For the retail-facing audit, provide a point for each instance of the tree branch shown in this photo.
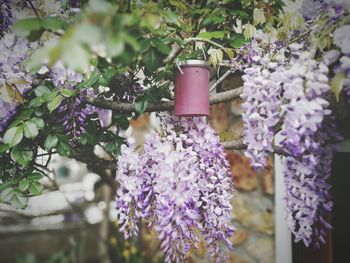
(179, 49)
(33, 8)
(239, 145)
(160, 106)
(201, 39)
(221, 79)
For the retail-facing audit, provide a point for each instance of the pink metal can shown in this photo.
(192, 88)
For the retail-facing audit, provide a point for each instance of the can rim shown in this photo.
(192, 62)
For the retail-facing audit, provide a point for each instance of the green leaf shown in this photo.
(38, 122)
(13, 136)
(52, 23)
(49, 97)
(21, 156)
(141, 104)
(161, 47)
(25, 114)
(170, 17)
(41, 90)
(6, 195)
(210, 35)
(237, 41)
(87, 33)
(23, 185)
(35, 188)
(23, 27)
(35, 177)
(38, 101)
(121, 121)
(30, 129)
(50, 142)
(67, 92)
(151, 60)
(75, 56)
(145, 45)
(19, 201)
(4, 148)
(114, 45)
(52, 105)
(5, 185)
(110, 147)
(131, 40)
(218, 34)
(337, 84)
(63, 148)
(93, 79)
(206, 35)
(35, 61)
(240, 13)
(15, 123)
(182, 5)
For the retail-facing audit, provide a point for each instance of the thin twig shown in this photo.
(105, 150)
(239, 145)
(34, 9)
(201, 39)
(221, 79)
(45, 154)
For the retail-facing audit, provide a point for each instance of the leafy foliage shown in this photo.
(124, 51)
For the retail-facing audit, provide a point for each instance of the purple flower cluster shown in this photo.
(334, 9)
(73, 112)
(247, 55)
(305, 140)
(181, 185)
(6, 16)
(64, 77)
(7, 111)
(257, 51)
(14, 81)
(261, 92)
(308, 200)
(339, 60)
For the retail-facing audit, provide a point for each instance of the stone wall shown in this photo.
(253, 202)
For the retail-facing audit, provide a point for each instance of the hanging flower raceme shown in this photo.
(73, 111)
(261, 92)
(307, 143)
(180, 183)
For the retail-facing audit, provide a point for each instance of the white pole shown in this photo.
(283, 238)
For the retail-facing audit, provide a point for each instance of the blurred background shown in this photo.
(77, 223)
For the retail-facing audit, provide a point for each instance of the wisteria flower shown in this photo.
(180, 184)
(341, 38)
(307, 141)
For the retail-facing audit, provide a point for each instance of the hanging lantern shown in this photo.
(192, 88)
